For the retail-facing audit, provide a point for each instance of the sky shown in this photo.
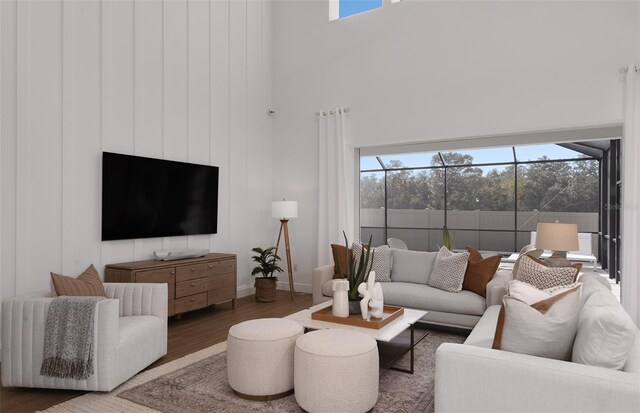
(349, 7)
(489, 155)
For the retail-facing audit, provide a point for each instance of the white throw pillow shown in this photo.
(381, 261)
(544, 329)
(529, 294)
(605, 332)
(538, 274)
(448, 271)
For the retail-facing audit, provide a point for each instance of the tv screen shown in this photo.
(145, 198)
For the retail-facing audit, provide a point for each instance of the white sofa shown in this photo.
(460, 310)
(473, 377)
(130, 334)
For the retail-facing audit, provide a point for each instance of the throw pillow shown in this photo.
(592, 282)
(448, 271)
(412, 266)
(538, 274)
(544, 329)
(605, 332)
(479, 271)
(381, 261)
(86, 284)
(529, 294)
(339, 253)
(529, 250)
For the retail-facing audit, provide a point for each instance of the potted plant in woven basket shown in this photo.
(356, 274)
(264, 271)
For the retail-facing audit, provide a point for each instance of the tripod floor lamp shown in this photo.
(285, 210)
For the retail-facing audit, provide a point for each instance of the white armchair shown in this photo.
(130, 334)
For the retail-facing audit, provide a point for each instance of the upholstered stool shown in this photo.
(336, 370)
(260, 358)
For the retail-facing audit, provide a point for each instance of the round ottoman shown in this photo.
(336, 370)
(260, 358)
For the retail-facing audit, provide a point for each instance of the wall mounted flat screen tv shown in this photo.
(145, 198)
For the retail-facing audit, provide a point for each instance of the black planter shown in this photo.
(354, 307)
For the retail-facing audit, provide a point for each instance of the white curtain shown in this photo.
(630, 269)
(336, 183)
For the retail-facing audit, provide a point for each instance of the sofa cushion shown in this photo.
(606, 332)
(592, 282)
(544, 329)
(448, 271)
(412, 266)
(428, 298)
(140, 342)
(633, 362)
(538, 274)
(480, 271)
(483, 333)
(381, 261)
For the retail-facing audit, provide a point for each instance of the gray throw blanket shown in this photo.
(68, 338)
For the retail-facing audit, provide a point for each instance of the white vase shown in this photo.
(340, 298)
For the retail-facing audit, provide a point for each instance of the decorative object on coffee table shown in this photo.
(389, 313)
(371, 293)
(377, 302)
(285, 210)
(260, 357)
(340, 307)
(357, 274)
(267, 266)
(559, 238)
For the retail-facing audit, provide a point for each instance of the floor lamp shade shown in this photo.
(557, 237)
(284, 209)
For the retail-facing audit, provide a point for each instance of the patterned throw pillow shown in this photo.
(86, 284)
(448, 271)
(529, 250)
(381, 261)
(538, 274)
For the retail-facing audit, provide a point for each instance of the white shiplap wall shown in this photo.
(185, 80)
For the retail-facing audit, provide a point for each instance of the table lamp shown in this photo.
(285, 210)
(559, 238)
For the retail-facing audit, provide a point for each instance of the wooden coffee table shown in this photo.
(390, 337)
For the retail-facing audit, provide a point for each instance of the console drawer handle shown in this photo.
(193, 299)
(210, 266)
(173, 272)
(193, 284)
(193, 269)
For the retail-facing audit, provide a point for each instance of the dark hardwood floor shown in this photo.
(195, 331)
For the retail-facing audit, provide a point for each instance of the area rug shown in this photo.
(202, 387)
(399, 392)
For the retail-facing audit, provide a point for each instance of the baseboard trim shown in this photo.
(281, 285)
(299, 288)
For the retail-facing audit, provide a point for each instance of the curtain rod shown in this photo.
(331, 112)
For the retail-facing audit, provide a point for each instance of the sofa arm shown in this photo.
(497, 287)
(470, 378)
(320, 276)
(23, 324)
(140, 298)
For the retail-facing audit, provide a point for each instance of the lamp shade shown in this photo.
(557, 237)
(284, 209)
